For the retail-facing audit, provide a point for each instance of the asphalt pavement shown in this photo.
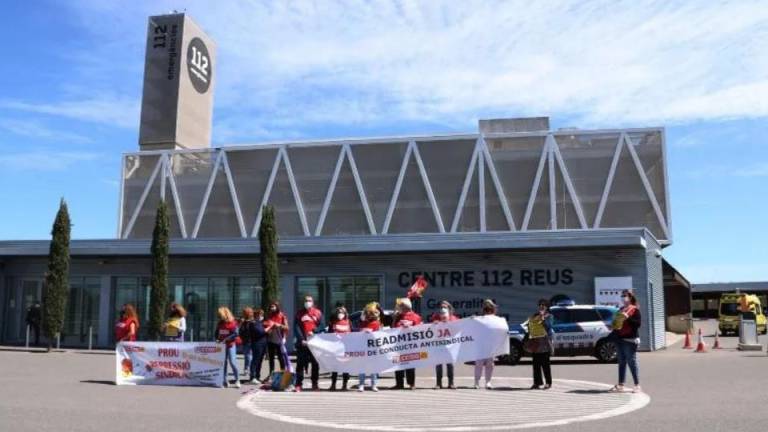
(719, 390)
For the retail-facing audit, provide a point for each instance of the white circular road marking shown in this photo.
(510, 405)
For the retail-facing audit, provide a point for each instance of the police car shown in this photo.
(579, 330)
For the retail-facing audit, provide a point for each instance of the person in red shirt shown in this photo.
(370, 322)
(309, 320)
(276, 326)
(444, 314)
(228, 334)
(339, 323)
(127, 327)
(626, 324)
(406, 317)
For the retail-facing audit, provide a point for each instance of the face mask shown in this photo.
(260, 318)
(273, 309)
(444, 311)
(307, 304)
(340, 316)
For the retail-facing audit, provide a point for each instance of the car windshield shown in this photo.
(729, 309)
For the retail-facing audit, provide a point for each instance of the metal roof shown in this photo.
(490, 241)
(745, 287)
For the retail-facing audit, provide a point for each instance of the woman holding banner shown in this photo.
(444, 314)
(539, 344)
(405, 318)
(626, 323)
(127, 328)
(227, 333)
(489, 308)
(276, 326)
(370, 322)
(339, 323)
(176, 324)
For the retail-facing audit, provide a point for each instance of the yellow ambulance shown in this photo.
(731, 304)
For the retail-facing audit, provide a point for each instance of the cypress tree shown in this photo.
(270, 277)
(158, 296)
(57, 276)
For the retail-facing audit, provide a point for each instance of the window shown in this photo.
(585, 315)
(561, 316)
(353, 292)
(606, 314)
(82, 313)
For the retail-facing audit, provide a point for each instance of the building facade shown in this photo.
(513, 215)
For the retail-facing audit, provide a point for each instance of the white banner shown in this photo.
(424, 345)
(170, 363)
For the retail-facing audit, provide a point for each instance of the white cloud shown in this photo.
(37, 129)
(287, 64)
(111, 110)
(40, 160)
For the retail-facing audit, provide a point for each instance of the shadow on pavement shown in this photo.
(98, 382)
(591, 391)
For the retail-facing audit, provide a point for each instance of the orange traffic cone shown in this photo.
(687, 344)
(700, 347)
(717, 341)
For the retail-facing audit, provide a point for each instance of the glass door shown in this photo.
(31, 294)
(197, 303)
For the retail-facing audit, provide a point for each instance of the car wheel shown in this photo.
(515, 353)
(606, 351)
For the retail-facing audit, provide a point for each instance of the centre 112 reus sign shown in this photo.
(489, 277)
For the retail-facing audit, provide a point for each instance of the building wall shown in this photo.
(515, 279)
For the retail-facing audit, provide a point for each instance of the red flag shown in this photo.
(417, 289)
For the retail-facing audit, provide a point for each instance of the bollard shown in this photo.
(58, 341)
(90, 338)
(26, 344)
(191, 335)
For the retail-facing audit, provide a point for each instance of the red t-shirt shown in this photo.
(309, 320)
(370, 325)
(226, 330)
(123, 328)
(342, 326)
(436, 317)
(408, 319)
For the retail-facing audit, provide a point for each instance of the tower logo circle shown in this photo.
(199, 65)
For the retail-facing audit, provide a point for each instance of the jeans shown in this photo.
(374, 379)
(273, 350)
(304, 359)
(231, 358)
(248, 357)
(541, 364)
(408, 375)
(627, 352)
(479, 365)
(439, 374)
(258, 350)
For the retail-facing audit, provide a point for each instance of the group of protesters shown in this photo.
(264, 334)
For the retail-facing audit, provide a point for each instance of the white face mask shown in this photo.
(260, 318)
(307, 304)
(273, 309)
(340, 316)
(444, 311)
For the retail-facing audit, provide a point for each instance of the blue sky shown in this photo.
(70, 88)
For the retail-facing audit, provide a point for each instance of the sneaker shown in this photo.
(413, 387)
(226, 384)
(535, 387)
(375, 389)
(237, 383)
(297, 389)
(361, 388)
(488, 385)
(547, 387)
(255, 381)
(637, 389)
(477, 385)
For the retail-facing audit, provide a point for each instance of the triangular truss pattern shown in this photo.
(282, 156)
(481, 160)
(624, 142)
(345, 153)
(413, 150)
(481, 164)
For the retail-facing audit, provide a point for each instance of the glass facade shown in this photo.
(353, 292)
(82, 313)
(200, 296)
(559, 180)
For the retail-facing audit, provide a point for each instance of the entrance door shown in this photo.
(31, 293)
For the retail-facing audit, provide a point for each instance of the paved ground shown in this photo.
(719, 390)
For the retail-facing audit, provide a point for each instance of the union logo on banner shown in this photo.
(207, 349)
